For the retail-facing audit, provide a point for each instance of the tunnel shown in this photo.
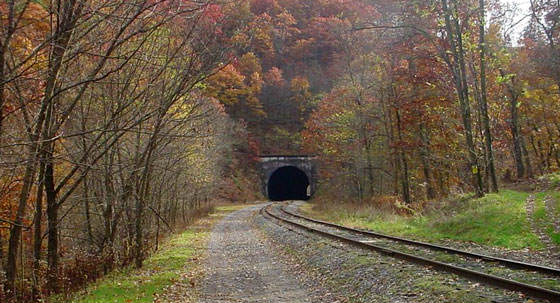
(288, 183)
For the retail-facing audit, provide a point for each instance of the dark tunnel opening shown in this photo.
(288, 183)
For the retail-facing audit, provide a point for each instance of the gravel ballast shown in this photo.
(364, 276)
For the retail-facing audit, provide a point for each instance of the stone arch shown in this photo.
(270, 164)
(288, 183)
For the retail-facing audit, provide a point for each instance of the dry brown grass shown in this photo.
(387, 204)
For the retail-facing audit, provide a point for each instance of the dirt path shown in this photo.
(550, 205)
(242, 267)
(530, 206)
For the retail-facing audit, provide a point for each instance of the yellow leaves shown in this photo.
(37, 14)
(182, 110)
(241, 39)
(261, 33)
(8, 199)
(226, 85)
(231, 86)
(32, 30)
(299, 84)
(286, 19)
(300, 90)
(249, 64)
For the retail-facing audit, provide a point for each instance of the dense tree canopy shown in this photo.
(120, 120)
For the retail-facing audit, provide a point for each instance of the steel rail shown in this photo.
(506, 262)
(527, 289)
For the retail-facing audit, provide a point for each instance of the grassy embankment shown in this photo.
(179, 258)
(496, 220)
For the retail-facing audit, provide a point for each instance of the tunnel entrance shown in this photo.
(288, 183)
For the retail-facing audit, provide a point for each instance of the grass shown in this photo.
(141, 285)
(179, 254)
(160, 270)
(543, 219)
(495, 220)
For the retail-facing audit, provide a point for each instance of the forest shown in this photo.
(121, 121)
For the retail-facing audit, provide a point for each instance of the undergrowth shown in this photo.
(176, 256)
(553, 179)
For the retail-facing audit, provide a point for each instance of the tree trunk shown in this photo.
(37, 234)
(15, 231)
(1, 256)
(459, 71)
(87, 212)
(425, 148)
(424, 156)
(2, 93)
(484, 101)
(390, 131)
(108, 214)
(517, 150)
(369, 162)
(61, 37)
(405, 183)
(52, 223)
(514, 127)
(538, 155)
(139, 233)
(544, 163)
(527, 158)
(478, 97)
(553, 153)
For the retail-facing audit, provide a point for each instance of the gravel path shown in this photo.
(242, 266)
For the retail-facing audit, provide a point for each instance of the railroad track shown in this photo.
(463, 263)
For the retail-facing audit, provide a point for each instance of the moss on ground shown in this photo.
(498, 219)
(179, 254)
(447, 291)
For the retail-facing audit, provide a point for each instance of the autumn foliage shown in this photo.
(109, 137)
(120, 121)
(415, 99)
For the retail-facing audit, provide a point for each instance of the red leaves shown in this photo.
(9, 200)
(213, 13)
(274, 77)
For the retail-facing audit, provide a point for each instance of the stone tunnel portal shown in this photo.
(288, 177)
(288, 183)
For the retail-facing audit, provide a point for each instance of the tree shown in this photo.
(483, 99)
(107, 64)
(457, 64)
(545, 27)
